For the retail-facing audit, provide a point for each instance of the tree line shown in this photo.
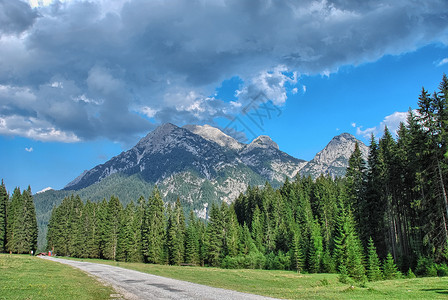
(18, 224)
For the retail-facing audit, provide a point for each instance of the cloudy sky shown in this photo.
(81, 81)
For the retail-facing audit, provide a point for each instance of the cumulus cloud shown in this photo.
(442, 62)
(392, 122)
(78, 70)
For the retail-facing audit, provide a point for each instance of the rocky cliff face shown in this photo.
(333, 159)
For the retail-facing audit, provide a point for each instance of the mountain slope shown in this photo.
(333, 159)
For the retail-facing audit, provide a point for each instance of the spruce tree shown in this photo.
(390, 270)
(316, 249)
(3, 216)
(373, 263)
(153, 229)
(192, 241)
(112, 228)
(348, 252)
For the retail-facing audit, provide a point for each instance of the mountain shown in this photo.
(333, 159)
(199, 164)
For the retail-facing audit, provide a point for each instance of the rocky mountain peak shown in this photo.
(333, 159)
(215, 135)
(263, 141)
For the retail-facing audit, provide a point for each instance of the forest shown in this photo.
(387, 218)
(18, 224)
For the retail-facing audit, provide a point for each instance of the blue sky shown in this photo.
(82, 81)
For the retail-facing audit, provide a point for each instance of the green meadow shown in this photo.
(291, 285)
(27, 277)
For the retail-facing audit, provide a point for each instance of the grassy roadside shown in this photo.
(26, 277)
(290, 285)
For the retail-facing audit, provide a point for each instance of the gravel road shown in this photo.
(137, 285)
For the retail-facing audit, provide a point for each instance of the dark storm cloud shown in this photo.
(94, 69)
(15, 16)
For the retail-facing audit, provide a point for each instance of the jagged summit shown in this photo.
(333, 159)
(264, 141)
(215, 135)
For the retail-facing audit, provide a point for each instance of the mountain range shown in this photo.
(198, 164)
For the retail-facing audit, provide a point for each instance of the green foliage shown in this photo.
(153, 229)
(410, 274)
(21, 223)
(390, 270)
(3, 216)
(373, 263)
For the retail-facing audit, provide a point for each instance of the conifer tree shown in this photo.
(356, 182)
(373, 263)
(3, 216)
(298, 258)
(175, 234)
(257, 229)
(348, 249)
(215, 236)
(112, 228)
(14, 221)
(390, 270)
(316, 249)
(153, 229)
(192, 247)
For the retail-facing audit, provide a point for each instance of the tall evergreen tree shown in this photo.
(348, 249)
(153, 229)
(3, 216)
(192, 247)
(112, 228)
(373, 263)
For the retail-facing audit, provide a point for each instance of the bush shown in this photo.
(442, 270)
(425, 267)
(410, 274)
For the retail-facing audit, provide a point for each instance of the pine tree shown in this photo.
(390, 270)
(112, 228)
(315, 250)
(373, 263)
(192, 241)
(356, 182)
(215, 236)
(348, 249)
(153, 229)
(3, 216)
(14, 220)
(175, 234)
(298, 258)
(257, 229)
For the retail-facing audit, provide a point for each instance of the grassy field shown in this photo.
(26, 277)
(290, 285)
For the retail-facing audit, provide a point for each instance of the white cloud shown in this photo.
(30, 149)
(34, 129)
(148, 111)
(391, 121)
(442, 62)
(353, 124)
(272, 84)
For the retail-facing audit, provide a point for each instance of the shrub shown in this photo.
(410, 274)
(425, 267)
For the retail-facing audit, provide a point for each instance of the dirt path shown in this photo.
(137, 285)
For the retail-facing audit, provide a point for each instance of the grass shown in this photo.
(290, 285)
(27, 277)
